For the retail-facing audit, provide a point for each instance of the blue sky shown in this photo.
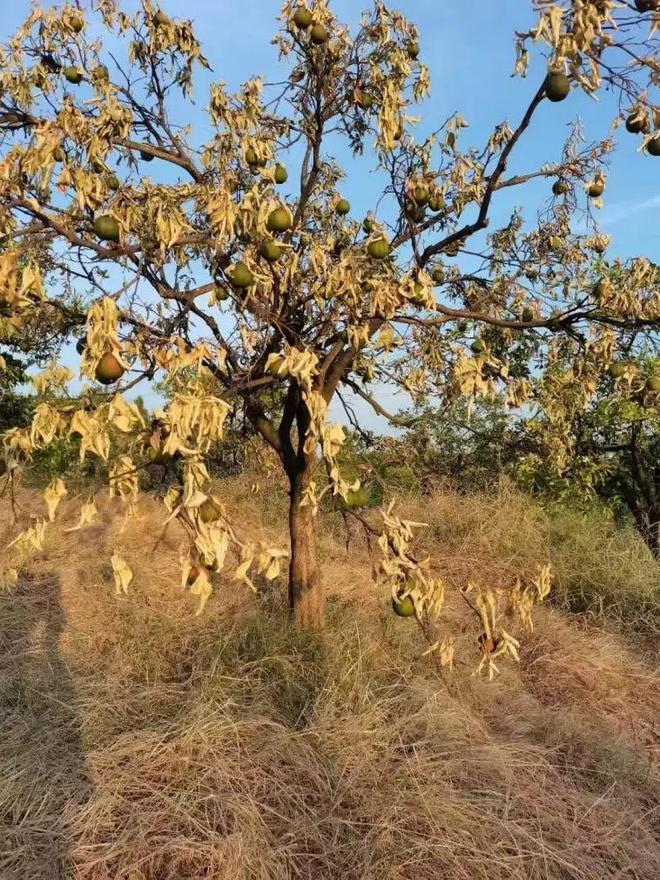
(468, 45)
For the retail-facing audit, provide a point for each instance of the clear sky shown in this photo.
(468, 45)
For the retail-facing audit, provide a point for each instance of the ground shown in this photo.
(140, 742)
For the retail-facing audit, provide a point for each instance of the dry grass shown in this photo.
(142, 743)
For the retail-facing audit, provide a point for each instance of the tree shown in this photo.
(242, 291)
(608, 446)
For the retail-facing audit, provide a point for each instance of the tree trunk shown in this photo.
(306, 595)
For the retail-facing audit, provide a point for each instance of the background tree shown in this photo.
(241, 289)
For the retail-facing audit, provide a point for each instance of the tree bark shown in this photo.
(306, 595)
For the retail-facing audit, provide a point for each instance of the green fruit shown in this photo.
(653, 146)
(240, 276)
(555, 243)
(319, 34)
(421, 195)
(528, 314)
(281, 174)
(413, 49)
(271, 251)
(416, 213)
(478, 346)
(251, 157)
(616, 370)
(100, 72)
(209, 512)
(560, 187)
(436, 203)
(302, 18)
(108, 370)
(438, 275)
(596, 188)
(220, 294)
(58, 154)
(112, 182)
(364, 100)
(653, 384)
(343, 206)
(378, 249)
(106, 228)
(637, 123)
(557, 86)
(160, 19)
(146, 157)
(81, 344)
(403, 607)
(357, 498)
(73, 75)
(368, 225)
(279, 220)
(77, 23)
(98, 167)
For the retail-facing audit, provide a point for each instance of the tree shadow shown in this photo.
(43, 774)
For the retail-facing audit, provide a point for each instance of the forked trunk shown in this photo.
(306, 596)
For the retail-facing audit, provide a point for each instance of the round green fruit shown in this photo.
(368, 225)
(528, 315)
(240, 276)
(209, 512)
(112, 182)
(378, 249)
(146, 157)
(421, 195)
(555, 243)
(108, 370)
(58, 154)
(653, 384)
(413, 49)
(302, 18)
(270, 251)
(319, 35)
(653, 146)
(637, 123)
(279, 220)
(403, 607)
(77, 23)
(342, 207)
(357, 498)
(438, 275)
(281, 174)
(436, 203)
(616, 370)
(106, 228)
(101, 73)
(251, 157)
(557, 86)
(560, 187)
(596, 188)
(365, 100)
(478, 346)
(73, 75)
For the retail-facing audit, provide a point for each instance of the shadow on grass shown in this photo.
(43, 774)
